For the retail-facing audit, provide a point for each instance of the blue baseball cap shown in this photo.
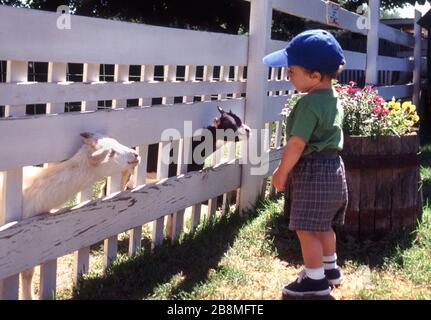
(314, 50)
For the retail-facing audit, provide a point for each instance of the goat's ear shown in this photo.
(220, 109)
(216, 122)
(99, 155)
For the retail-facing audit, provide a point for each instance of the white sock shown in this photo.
(330, 262)
(315, 273)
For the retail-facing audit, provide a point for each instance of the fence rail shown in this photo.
(200, 70)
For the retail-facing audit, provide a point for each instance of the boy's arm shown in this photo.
(291, 154)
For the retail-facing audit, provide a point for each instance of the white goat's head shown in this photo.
(108, 155)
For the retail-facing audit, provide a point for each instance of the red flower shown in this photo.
(351, 90)
(380, 111)
(368, 88)
(378, 101)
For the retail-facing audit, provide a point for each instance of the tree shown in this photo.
(229, 16)
(352, 5)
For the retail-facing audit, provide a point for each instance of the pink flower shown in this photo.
(380, 111)
(378, 101)
(368, 88)
(352, 83)
(352, 90)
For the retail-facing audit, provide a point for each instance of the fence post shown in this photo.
(417, 62)
(371, 71)
(256, 93)
(16, 71)
(11, 210)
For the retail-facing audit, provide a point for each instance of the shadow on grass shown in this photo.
(190, 259)
(371, 252)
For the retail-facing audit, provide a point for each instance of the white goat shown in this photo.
(48, 188)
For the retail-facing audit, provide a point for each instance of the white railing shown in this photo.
(30, 140)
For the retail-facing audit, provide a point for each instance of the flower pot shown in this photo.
(384, 184)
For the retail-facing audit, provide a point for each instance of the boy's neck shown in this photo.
(324, 84)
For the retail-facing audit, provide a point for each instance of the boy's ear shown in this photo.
(316, 75)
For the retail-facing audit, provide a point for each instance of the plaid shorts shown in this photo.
(316, 193)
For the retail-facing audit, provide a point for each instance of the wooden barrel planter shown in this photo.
(384, 184)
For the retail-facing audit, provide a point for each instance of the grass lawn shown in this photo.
(233, 257)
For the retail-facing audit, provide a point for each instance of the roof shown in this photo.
(398, 21)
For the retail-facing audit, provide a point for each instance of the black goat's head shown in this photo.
(229, 120)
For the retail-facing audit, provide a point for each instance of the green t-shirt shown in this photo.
(318, 119)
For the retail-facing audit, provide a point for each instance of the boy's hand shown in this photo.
(279, 179)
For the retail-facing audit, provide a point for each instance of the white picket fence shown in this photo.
(31, 35)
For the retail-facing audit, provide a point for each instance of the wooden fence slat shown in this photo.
(393, 35)
(135, 234)
(207, 76)
(16, 71)
(110, 245)
(81, 263)
(373, 44)
(184, 157)
(162, 173)
(257, 88)
(238, 77)
(48, 270)
(91, 40)
(189, 75)
(227, 196)
(417, 59)
(170, 73)
(56, 73)
(212, 203)
(144, 126)
(171, 219)
(44, 92)
(48, 280)
(147, 75)
(316, 11)
(91, 74)
(266, 146)
(81, 259)
(11, 198)
(121, 74)
(224, 76)
(397, 91)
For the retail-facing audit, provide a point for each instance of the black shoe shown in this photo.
(334, 277)
(304, 286)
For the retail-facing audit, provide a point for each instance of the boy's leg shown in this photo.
(311, 247)
(312, 281)
(328, 240)
(332, 271)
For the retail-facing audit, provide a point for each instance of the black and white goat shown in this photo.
(227, 127)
